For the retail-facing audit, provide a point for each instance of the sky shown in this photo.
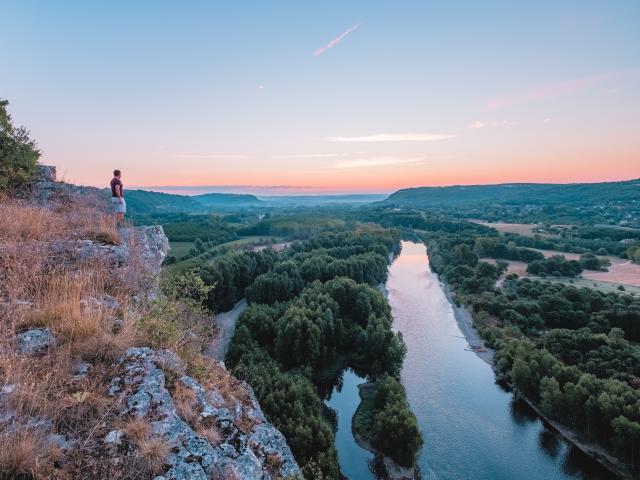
(326, 97)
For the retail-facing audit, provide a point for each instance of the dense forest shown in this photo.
(315, 309)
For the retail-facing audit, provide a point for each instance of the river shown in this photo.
(472, 428)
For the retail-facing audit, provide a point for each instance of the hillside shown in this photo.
(519, 194)
(144, 202)
(226, 200)
(313, 200)
(102, 370)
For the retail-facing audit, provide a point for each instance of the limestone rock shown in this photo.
(45, 173)
(34, 341)
(80, 370)
(245, 454)
(114, 437)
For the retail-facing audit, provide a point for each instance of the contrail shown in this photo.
(335, 41)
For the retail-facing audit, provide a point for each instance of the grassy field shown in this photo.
(524, 229)
(180, 249)
(621, 271)
(218, 250)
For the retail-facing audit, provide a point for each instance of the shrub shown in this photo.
(18, 153)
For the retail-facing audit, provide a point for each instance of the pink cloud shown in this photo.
(559, 89)
(335, 41)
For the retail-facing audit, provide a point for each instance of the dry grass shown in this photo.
(41, 287)
(137, 429)
(151, 451)
(80, 218)
(25, 454)
(185, 401)
(187, 407)
(212, 433)
(43, 284)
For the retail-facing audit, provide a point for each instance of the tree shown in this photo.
(18, 153)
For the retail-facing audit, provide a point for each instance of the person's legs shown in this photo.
(119, 209)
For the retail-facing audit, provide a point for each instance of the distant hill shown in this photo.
(226, 199)
(309, 200)
(144, 202)
(539, 194)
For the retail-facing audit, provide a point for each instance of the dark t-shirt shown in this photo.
(115, 182)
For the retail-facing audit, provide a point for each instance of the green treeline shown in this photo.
(207, 228)
(18, 153)
(313, 308)
(556, 265)
(295, 227)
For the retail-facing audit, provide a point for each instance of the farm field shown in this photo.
(525, 229)
(621, 272)
(180, 249)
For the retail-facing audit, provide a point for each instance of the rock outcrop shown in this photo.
(139, 254)
(253, 450)
(46, 190)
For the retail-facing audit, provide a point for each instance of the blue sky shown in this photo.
(409, 93)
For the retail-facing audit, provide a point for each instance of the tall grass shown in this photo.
(43, 285)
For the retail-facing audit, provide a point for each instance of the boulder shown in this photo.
(35, 341)
(45, 173)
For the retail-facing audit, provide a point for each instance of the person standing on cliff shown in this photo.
(117, 196)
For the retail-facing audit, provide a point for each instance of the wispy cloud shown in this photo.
(222, 156)
(500, 123)
(310, 155)
(377, 161)
(335, 41)
(558, 89)
(214, 156)
(395, 137)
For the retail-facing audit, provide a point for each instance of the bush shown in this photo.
(18, 153)
(385, 419)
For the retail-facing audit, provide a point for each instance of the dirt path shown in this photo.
(226, 324)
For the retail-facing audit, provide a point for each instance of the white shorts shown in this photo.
(117, 206)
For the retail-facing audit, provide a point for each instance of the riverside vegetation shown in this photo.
(573, 352)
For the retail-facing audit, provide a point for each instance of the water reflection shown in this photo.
(550, 443)
(342, 398)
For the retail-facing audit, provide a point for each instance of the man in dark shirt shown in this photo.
(117, 196)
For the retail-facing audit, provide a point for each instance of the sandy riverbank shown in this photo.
(465, 322)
